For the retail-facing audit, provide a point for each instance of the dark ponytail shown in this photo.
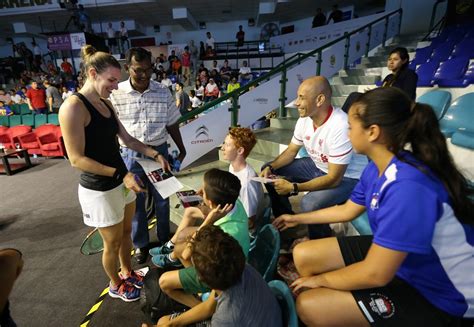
(407, 124)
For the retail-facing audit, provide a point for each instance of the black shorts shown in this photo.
(397, 303)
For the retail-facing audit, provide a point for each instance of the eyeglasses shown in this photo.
(141, 71)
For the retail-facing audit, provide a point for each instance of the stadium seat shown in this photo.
(4, 121)
(29, 141)
(465, 48)
(459, 116)
(422, 55)
(28, 120)
(53, 119)
(426, 73)
(361, 224)
(24, 109)
(3, 129)
(443, 52)
(14, 120)
(463, 139)
(49, 140)
(286, 302)
(264, 256)
(16, 108)
(451, 72)
(40, 119)
(469, 76)
(438, 100)
(11, 136)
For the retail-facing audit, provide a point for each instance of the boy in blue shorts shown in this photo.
(220, 193)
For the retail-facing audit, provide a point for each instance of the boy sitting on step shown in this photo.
(221, 208)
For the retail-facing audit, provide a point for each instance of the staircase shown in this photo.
(273, 140)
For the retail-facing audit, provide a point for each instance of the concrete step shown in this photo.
(343, 90)
(355, 80)
(338, 101)
(271, 141)
(284, 123)
(372, 65)
(360, 72)
(373, 59)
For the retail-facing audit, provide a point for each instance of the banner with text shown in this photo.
(204, 134)
(72, 41)
(358, 44)
(333, 59)
(259, 101)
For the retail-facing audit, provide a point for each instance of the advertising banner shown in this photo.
(376, 36)
(358, 43)
(59, 42)
(78, 40)
(297, 75)
(333, 59)
(259, 101)
(204, 134)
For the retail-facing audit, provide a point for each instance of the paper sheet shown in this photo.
(164, 182)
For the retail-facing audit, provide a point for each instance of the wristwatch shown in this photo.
(295, 189)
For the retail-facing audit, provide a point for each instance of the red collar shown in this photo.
(325, 119)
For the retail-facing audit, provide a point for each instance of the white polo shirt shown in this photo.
(329, 143)
(145, 115)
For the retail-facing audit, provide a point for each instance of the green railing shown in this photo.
(289, 63)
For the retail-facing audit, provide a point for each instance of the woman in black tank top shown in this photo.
(91, 129)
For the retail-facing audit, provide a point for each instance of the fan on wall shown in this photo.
(269, 30)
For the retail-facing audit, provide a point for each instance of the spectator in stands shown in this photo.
(240, 296)
(176, 67)
(51, 68)
(211, 91)
(215, 66)
(195, 101)
(5, 97)
(401, 77)
(141, 98)
(123, 37)
(16, 97)
(319, 19)
(38, 56)
(182, 99)
(330, 172)
(5, 109)
(36, 97)
(66, 67)
(194, 56)
(233, 85)
(202, 50)
(166, 81)
(66, 93)
(416, 268)
(210, 42)
(53, 97)
(186, 63)
(336, 15)
(245, 74)
(11, 265)
(216, 77)
(226, 71)
(201, 68)
(107, 189)
(203, 77)
(240, 36)
(199, 89)
(221, 208)
(210, 52)
(111, 39)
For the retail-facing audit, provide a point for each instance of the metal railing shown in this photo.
(289, 63)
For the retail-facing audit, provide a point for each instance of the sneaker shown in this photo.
(163, 261)
(160, 250)
(140, 255)
(134, 279)
(126, 292)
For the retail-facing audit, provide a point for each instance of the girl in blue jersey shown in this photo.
(418, 267)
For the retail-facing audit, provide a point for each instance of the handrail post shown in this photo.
(235, 110)
(346, 50)
(319, 62)
(367, 48)
(385, 32)
(282, 99)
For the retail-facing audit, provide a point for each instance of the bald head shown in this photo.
(318, 85)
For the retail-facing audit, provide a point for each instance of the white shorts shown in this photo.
(104, 209)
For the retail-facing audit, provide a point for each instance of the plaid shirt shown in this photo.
(145, 115)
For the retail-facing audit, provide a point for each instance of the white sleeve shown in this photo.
(340, 147)
(298, 133)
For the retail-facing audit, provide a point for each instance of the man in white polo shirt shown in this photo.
(148, 112)
(331, 170)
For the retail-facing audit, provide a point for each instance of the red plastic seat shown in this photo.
(12, 134)
(50, 141)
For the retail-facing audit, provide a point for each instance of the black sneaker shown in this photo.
(141, 254)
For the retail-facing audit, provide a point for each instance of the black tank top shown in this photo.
(101, 144)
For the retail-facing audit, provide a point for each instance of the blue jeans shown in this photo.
(303, 170)
(140, 236)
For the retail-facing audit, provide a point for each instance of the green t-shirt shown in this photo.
(236, 225)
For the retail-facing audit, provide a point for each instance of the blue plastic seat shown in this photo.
(361, 224)
(422, 55)
(465, 48)
(443, 52)
(426, 73)
(438, 100)
(264, 256)
(463, 139)
(451, 72)
(469, 75)
(286, 302)
(459, 116)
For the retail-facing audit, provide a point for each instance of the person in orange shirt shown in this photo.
(66, 66)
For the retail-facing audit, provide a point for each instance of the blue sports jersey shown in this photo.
(410, 211)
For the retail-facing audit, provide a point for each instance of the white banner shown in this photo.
(333, 59)
(78, 40)
(376, 35)
(178, 48)
(297, 75)
(358, 44)
(393, 24)
(204, 134)
(259, 101)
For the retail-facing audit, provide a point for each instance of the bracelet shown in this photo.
(120, 173)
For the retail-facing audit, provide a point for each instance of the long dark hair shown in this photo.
(406, 123)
